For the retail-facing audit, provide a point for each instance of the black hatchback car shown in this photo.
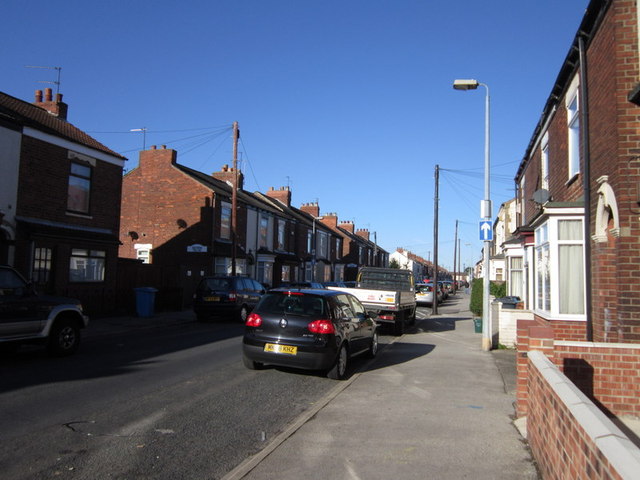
(308, 329)
(226, 296)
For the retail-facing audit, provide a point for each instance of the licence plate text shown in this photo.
(286, 349)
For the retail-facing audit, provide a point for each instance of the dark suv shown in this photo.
(27, 317)
(226, 296)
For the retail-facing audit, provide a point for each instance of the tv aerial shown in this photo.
(56, 83)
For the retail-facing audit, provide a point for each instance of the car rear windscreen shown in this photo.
(285, 304)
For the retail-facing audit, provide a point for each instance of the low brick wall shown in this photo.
(568, 435)
(607, 373)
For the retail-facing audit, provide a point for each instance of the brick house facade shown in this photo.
(584, 281)
(179, 220)
(578, 209)
(61, 212)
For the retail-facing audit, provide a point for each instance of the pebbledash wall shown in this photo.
(568, 390)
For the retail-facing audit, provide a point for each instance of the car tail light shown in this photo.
(253, 320)
(321, 326)
(232, 296)
(387, 317)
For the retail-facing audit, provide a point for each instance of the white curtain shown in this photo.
(571, 267)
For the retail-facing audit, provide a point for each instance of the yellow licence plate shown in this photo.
(211, 299)
(287, 349)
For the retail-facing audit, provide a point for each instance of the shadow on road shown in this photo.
(109, 355)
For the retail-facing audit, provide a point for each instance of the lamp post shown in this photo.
(487, 340)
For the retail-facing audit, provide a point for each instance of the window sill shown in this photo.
(79, 215)
(572, 179)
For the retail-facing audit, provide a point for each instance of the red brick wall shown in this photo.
(615, 145)
(612, 373)
(560, 445)
(154, 197)
(608, 374)
(44, 180)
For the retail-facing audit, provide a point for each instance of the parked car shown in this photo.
(226, 296)
(308, 329)
(301, 285)
(28, 317)
(424, 294)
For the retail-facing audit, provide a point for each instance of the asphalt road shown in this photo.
(173, 402)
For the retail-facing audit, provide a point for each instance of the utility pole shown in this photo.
(234, 200)
(455, 251)
(434, 303)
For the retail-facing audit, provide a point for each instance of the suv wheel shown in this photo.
(64, 337)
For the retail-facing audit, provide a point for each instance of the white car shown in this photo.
(424, 294)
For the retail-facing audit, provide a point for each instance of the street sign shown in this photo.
(486, 230)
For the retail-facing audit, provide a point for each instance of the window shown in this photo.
(86, 265)
(286, 273)
(560, 267)
(263, 233)
(225, 221)
(573, 123)
(223, 266)
(265, 272)
(281, 235)
(79, 191)
(309, 241)
(143, 252)
(544, 163)
(41, 265)
(338, 248)
(323, 246)
(571, 266)
(516, 276)
(543, 299)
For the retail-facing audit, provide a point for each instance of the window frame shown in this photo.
(548, 289)
(72, 204)
(225, 221)
(92, 264)
(572, 105)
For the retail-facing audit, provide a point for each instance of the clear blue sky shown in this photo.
(348, 102)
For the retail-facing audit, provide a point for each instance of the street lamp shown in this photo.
(487, 340)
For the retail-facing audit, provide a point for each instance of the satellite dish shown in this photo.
(541, 196)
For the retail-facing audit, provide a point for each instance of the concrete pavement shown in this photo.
(431, 405)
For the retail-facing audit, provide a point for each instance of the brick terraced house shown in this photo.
(178, 221)
(577, 250)
(60, 201)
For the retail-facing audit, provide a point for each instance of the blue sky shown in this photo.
(348, 102)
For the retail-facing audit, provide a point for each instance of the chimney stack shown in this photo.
(363, 233)
(155, 158)
(311, 208)
(330, 220)
(228, 174)
(348, 226)
(283, 195)
(56, 108)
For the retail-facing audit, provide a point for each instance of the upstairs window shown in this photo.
(281, 235)
(573, 124)
(79, 191)
(225, 221)
(263, 233)
(544, 164)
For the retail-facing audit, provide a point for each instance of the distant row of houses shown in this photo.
(73, 224)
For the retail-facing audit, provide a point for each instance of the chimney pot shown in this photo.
(38, 96)
(48, 95)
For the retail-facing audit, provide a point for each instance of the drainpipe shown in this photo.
(584, 133)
